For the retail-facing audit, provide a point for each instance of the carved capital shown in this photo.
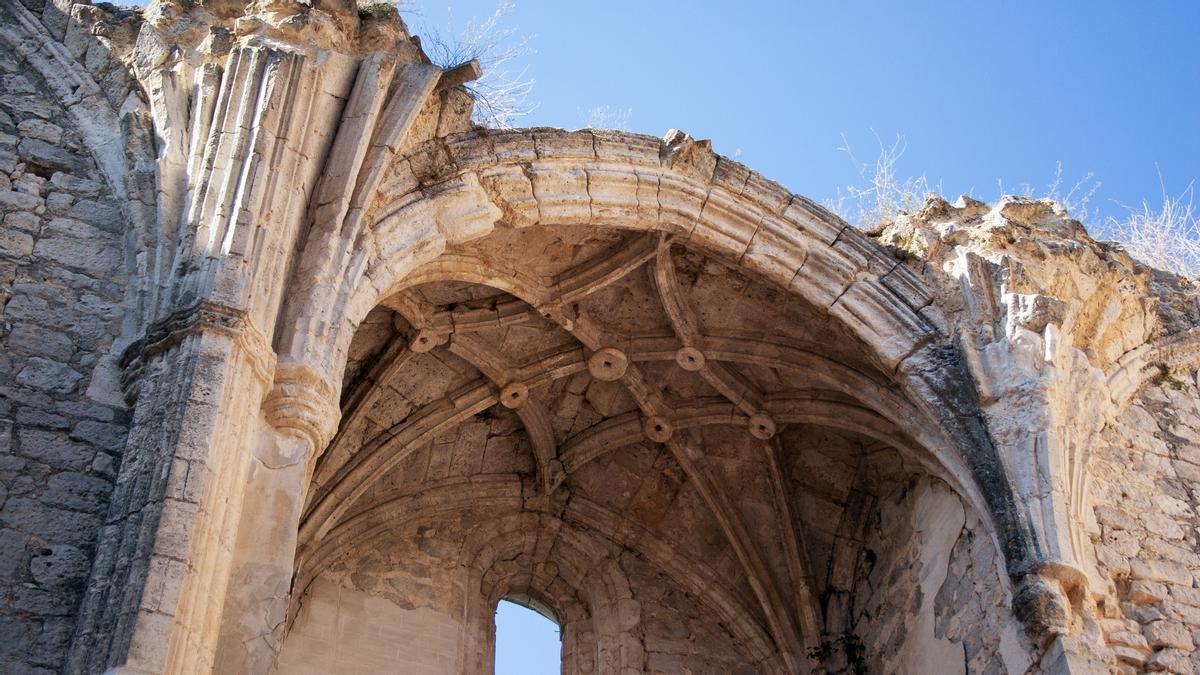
(303, 403)
(1049, 600)
(198, 319)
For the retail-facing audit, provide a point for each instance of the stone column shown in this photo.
(299, 418)
(165, 550)
(202, 452)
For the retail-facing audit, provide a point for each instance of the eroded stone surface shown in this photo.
(64, 427)
(301, 372)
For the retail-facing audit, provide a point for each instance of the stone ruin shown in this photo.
(302, 372)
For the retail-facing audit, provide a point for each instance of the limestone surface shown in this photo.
(302, 372)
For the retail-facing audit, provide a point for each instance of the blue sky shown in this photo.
(981, 91)
(527, 643)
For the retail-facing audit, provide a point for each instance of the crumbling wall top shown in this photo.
(1107, 302)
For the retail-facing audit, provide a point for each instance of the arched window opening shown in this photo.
(528, 640)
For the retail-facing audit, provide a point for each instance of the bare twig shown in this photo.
(501, 95)
(608, 117)
(1075, 200)
(882, 195)
(1165, 236)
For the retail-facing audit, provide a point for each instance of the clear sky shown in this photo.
(527, 643)
(981, 91)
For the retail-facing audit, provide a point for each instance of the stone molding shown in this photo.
(200, 319)
(1150, 361)
(303, 403)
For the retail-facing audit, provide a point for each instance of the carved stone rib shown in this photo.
(532, 412)
(683, 321)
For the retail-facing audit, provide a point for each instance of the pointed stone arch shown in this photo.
(434, 199)
(453, 190)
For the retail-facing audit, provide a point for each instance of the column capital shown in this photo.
(303, 403)
(1048, 597)
(204, 317)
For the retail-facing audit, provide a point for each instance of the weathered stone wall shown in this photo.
(63, 422)
(929, 595)
(677, 631)
(401, 610)
(341, 628)
(914, 583)
(437, 578)
(1085, 362)
(387, 367)
(1146, 493)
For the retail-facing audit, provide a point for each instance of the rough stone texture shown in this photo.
(63, 422)
(929, 595)
(1087, 360)
(1145, 488)
(301, 372)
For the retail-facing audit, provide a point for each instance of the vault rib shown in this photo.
(352, 479)
(492, 365)
(683, 322)
(531, 410)
(808, 609)
(774, 608)
(649, 400)
(607, 269)
(556, 303)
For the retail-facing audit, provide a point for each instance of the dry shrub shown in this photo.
(608, 117)
(882, 195)
(1165, 235)
(501, 95)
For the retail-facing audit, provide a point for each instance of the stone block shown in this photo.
(99, 215)
(42, 130)
(1129, 639)
(49, 376)
(1169, 634)
(41, 602)
(78, 245)
(1147, 592)
(777, 251)
(100, 434)
(15, 243)
(36, 417)
(44, 156)
(14, 553)
(1170, 661)
(23, 221)
(12, 200)
(54, 449)
(60, 566)
(42, 341)
(77, 491)
(48, 524)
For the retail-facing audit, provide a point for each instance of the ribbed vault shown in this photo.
(563, 406)
(384, 367)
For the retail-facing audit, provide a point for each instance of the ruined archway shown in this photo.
(527, 305)
(343, 278)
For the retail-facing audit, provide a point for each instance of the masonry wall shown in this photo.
(341, 629)
(1146, 498)
(405, 624)
(930, 595)
(678, 631)
(914, 583)
(62, 421)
